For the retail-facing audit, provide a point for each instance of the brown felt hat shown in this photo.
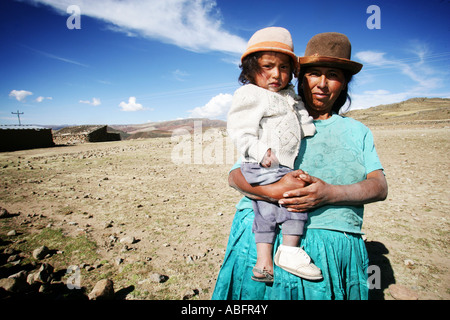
(330, 49)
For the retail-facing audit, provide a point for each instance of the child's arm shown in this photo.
(243, 121)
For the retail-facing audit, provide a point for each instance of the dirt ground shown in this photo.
(180, 214)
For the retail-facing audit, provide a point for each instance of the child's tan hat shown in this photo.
(271, 39)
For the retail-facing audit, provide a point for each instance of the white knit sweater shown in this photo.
(260, 119)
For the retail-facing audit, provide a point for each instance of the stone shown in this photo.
(189, 294)
(8, 284)
(30, 279)
(4, 213)
(13, 257)
(409, 263)
(40, 253)
(103, 290)
(21, 274)
(399, 292)
(158, 278)
(189, 260)
(44, 273)
(14, 283)
(128, 240)
(8, 251)
(108, 224)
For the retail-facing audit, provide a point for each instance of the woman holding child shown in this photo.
(340, 172)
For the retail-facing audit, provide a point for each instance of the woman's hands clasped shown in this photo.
(314, 192)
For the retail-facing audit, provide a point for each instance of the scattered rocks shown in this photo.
(128, 240)
(41, 252)
(189, 259)
(103, 290)
(189, 294)
(4, 213)
(44, 273)
(13, 258)
(108, 224)
(12, 284)
(158, 278)
(399, 292)
(409, 263)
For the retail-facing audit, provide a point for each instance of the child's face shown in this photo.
(275, 71)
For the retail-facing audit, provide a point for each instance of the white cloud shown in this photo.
(371, 57)
(41, 98)
(192, 25)
(424, 80)
(377, 92)
(131, 105)
(179, 75)
(20, 95)
(217, 107)
(94, 102)
(52, 56)
(414, 68)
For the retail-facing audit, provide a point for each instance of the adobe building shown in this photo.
(84, 134)
(21, 137)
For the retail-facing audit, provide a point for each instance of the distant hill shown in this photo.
(412, 111)
(166, 128)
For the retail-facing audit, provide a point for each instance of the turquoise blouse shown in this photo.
(341, 152)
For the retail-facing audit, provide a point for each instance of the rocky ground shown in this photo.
(130, 215)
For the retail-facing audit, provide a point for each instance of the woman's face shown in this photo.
(321, 87)
(275, 71)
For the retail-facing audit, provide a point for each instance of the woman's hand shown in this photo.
(300, 192)
(318, 193)
(271, 192)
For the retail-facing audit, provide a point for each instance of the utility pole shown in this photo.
(18, 115)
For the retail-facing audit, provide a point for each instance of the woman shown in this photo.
(344, 174)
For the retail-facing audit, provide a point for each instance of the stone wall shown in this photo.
(84, 134)
(24, 137)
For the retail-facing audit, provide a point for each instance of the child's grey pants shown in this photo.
(269, 215)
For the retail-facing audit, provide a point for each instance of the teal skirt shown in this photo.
(342, 257)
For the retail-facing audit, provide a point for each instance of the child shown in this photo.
(267, 121)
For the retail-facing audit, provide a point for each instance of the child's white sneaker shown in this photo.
(296, 261)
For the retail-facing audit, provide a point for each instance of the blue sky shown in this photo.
(154, 60)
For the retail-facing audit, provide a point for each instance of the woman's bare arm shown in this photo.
(318, 193)
(272, 192)
(313, 192)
